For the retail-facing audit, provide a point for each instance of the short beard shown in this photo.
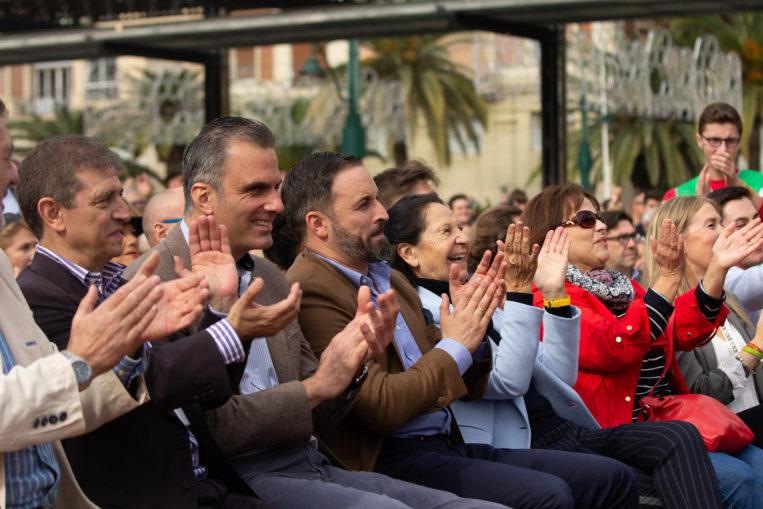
(358, 248)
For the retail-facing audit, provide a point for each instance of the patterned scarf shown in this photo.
(612, 288)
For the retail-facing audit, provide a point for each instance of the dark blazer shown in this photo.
(699, 367)
(277, 416)
(390, 396)
(141, 460)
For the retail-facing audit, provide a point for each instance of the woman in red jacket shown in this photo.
(621, 341)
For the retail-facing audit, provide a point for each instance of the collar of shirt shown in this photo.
(378, 278)
(104, 280)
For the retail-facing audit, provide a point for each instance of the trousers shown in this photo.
(520, 478)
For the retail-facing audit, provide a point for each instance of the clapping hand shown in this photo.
(552, 265)
(521, 260)
(211, 257)
(732, 246)
(668, 251)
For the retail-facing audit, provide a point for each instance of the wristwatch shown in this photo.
(357, 381)
(82, 370)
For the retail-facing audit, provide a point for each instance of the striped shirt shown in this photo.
(31, 474)
(659, 311)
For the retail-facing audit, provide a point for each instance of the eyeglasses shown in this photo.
(624, 238)
(716, 142)
(168, 221)
(585, 219)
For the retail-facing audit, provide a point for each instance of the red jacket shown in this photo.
(612, 349)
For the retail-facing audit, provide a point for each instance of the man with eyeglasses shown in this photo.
(719, 134)
(622, 243)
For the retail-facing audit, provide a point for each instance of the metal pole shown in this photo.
(353, 134)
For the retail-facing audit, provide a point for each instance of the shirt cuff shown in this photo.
(128, 368)
(521, 297)
(227, 341)
(215, 312)
(457, 351)
(710, 307)
(735, 372)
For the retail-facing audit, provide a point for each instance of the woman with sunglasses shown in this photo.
(622, 346)
(530, 401)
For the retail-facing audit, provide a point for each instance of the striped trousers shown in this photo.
(671, 453)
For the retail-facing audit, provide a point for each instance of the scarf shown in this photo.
(612, 288)
(438, 288)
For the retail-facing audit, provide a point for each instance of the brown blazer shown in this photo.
(277, 416)
(390, 396)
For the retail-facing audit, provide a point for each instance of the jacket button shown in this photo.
(440, 402)
(36, 423)
(187, 484)
(618, 339)
(52, 419)
(628, 399)
(629, 328)
(44, 421)
(62, 416)
(688, 334)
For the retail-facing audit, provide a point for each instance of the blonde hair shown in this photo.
(680, 210)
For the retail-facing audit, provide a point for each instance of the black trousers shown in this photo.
(520, 478)
(213, 494)
(671, 452)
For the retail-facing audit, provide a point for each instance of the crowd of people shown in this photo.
(336, 339)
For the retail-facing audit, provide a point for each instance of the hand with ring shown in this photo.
(668, 250)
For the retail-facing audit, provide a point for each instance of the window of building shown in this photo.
(102, 79)
(52, 86)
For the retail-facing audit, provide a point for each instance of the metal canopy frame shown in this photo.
(205, 41)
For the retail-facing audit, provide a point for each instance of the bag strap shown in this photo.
(668, 351)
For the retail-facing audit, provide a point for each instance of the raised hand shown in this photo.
(381, 321)
(181, 306)
(551, 273)
(494, 271)
(732, 246)
(703, 182)
(468, 321)
(211, 257)
(522, 261)
(251, 320)
(104, 335)
(668, 250)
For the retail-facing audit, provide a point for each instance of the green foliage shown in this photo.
(435, 87)
(28, 133)
(742, 33)
(647, 152)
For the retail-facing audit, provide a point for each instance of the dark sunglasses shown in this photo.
(624, 238)
(585, 219)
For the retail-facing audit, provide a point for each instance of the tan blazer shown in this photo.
(390, 396)
(43, 384)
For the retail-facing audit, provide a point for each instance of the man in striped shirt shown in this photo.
(71, 195)
(48, 396)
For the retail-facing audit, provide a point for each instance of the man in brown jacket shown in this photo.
(401, 424)
(285, 397)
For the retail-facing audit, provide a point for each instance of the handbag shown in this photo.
(721, 429)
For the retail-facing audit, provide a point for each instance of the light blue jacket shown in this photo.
(500, 418)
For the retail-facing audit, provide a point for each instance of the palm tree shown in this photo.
(650, 153)
(434, 86)
(742, 33)
(28, 133)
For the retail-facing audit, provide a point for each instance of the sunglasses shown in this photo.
(170, 221)
(585, 219)
(624, 238)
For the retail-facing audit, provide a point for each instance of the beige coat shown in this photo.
(43, 384)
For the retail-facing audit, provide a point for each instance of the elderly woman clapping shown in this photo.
(529, 399)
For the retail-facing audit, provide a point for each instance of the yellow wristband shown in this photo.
(557, 303)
